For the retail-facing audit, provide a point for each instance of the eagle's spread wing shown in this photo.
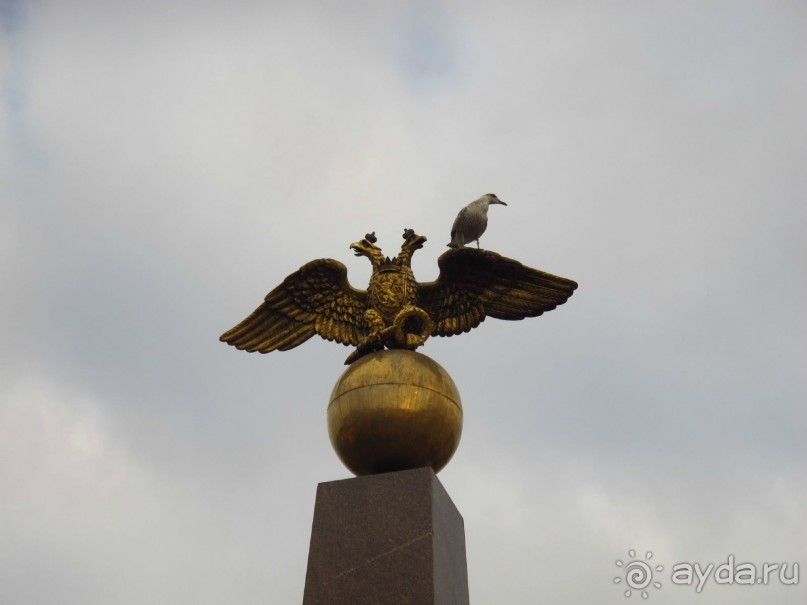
(316, 299)
(474, 284)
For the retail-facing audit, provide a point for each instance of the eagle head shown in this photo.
(366, 247)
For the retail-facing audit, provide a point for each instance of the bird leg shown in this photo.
(374, 341)
(409, 330)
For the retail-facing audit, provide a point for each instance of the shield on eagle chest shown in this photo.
(388, 291)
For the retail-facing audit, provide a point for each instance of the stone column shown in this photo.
(386, 539)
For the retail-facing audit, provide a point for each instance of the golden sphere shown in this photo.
(394, 410)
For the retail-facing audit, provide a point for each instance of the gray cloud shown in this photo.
(190, 157)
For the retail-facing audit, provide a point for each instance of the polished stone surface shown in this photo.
(393, 538)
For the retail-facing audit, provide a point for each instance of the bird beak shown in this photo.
(498, 201)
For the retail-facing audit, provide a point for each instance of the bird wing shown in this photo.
(474, 284)
(459, 220)
(316, 299)
(470, 223)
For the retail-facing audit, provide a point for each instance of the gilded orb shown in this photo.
(394, 410)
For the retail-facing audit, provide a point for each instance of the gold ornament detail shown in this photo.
(396, 311)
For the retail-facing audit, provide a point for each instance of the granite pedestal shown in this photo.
(394, 538)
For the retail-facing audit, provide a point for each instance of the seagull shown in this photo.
(472, 221)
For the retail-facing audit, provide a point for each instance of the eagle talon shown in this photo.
(410, 317)
(360, 352)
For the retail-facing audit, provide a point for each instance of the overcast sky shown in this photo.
(164, 165)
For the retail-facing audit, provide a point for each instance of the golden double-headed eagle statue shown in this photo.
(396, 311)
